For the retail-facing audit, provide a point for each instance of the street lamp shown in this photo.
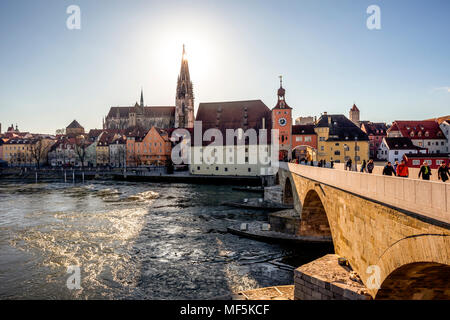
(345, 156)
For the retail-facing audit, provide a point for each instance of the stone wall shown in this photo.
(286, 221)
(273, 194)
(325, 279)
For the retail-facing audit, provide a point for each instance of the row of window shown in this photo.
(231, 150)
(149, 150)
(231, 160)
(300, 138)
(416, 162)
(431, 143)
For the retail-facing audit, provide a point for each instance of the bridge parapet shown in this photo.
(425, 198)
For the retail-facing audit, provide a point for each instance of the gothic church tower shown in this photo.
(184, 102)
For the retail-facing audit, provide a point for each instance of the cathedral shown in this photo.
(164, 117)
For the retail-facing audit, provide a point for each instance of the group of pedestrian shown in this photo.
(401, 170)
(367, 166)
(398, 169)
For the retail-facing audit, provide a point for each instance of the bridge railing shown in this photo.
(426, 198)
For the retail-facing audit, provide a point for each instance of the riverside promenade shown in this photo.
(154, 174)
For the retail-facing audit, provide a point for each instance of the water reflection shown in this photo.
(135, 241)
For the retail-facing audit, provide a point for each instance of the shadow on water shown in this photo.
(185, 252)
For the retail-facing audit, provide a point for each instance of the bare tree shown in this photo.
(39, 150)
(80, 149)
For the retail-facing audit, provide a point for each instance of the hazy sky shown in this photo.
(50, 75)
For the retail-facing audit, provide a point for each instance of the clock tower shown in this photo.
(282, 121)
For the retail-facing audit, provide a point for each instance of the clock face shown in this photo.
(282, 122)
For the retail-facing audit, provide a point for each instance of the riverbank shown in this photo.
(141, 175)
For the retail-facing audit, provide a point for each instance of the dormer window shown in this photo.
(412, 133)
(427, 134)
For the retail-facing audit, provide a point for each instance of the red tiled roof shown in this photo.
(419, 129)
(376, 129)
(74, 124)
(401, 143)
(234, 115)
(303, 129)
(428, 155)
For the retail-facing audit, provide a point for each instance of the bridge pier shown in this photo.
(325, 279)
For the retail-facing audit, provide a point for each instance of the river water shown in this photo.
(133, 241)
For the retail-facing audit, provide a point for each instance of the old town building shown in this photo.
(27, 151)
(445, 127)
(117, 152)
(151, 147)
(425, 134)
(394, 148)
(305, 120)
(62, 153)
(74, 129)
(102, 150)
(339, 139)
(434, 160)
(376, 132)
(304, 142)
(354, 115)
(146, 117)
(252, 158)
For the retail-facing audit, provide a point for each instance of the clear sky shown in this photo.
(50, 75)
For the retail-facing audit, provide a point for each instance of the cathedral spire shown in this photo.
(184, 72)
(184, 112)
(142, 97)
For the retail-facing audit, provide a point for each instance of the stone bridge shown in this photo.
(399, 225)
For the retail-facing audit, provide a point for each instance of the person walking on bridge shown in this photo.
(348, 165)
(402, 170)
(363, 166)
(425, 171)
(370, 166)
(443, 172)
(389, 170)
(395, 166)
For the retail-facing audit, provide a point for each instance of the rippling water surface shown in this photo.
(132, 241)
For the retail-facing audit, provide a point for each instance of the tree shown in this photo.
(80, 149)
(39, 149)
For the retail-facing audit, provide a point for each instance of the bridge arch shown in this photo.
(314, 220)
(414, 281)
(416, 267)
